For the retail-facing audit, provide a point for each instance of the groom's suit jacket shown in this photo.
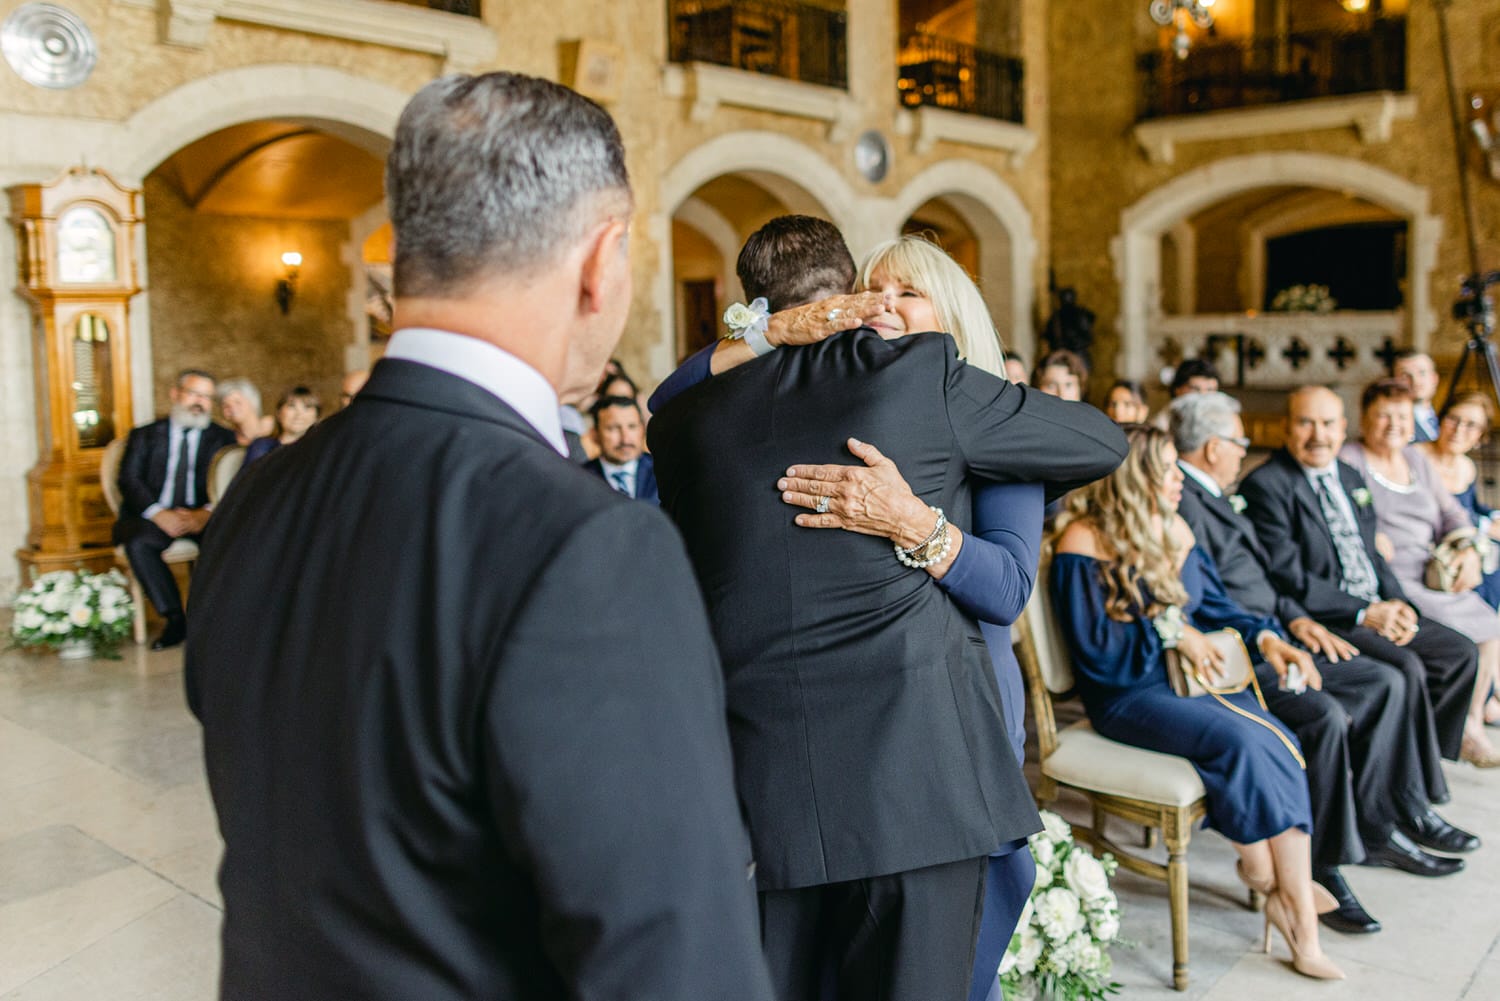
(863, 710)
(452, 757)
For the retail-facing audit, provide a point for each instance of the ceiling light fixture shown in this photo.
(1179, 12)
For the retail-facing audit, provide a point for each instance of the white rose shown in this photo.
(56, 627)
(1045, 854)
(109, 615)
(1055, 827)
(31, 619)
(1085, 875)
(1059, 915)
(1029, 950)
(1042, 878)
(1025, 918)
(80, 615)
(55, 601)
(1079, 955)
(1026, 990)
(1105, 925)
(738, 316)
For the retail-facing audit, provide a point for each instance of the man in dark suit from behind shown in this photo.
(1326, 560)
(870, 753)
(623, 462)
(445, 783)
(163, 483)
(1364, 771)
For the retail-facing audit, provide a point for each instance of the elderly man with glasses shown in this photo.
(1363, 766)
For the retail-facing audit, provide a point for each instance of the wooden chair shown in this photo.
(1161, 792)
(222, 470)
(180, 551)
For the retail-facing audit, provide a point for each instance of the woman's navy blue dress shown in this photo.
(1256, 788)
(1468, 499)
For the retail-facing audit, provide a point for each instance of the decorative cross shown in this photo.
(1254, 353)
(1296, 353)
(1387, 355)
(1341, 353)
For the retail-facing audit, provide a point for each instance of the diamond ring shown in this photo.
(833, 314)
(822, 507)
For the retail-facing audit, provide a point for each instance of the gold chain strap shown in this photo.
(1285, 740)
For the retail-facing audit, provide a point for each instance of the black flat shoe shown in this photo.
(1434, 833)
(172, 635)
(1350, 918)
(1401, 853)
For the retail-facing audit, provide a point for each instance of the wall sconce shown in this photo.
(1179, 12)
(1355, 6)
(1484, 126)
(286, 286)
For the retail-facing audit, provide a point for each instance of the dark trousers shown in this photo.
(1363, 769)
(1007, 886)
(1440, 666)
(908, 936)
(144, 543)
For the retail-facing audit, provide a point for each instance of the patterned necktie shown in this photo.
(621, 481)
(1354, 563)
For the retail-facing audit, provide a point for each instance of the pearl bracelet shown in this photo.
(940, 538)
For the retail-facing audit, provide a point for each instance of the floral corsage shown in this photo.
(1361, 496)
(1238, 503)
(749, 324)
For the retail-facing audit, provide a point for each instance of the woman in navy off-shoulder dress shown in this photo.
(1124, 570)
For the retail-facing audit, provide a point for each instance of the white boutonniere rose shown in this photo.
(739, 317)
(1238, 503)
(1361, 497)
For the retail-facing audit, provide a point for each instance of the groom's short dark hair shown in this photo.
(795, 259)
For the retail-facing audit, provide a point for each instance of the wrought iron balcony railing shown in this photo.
(947, 74)
(468, 8)
(796, 41)
(1272, 70)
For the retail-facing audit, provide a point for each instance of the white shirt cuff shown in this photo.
(152, 511)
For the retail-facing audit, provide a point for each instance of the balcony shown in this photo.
(1258, 72)
(780, 38)
(942, 73)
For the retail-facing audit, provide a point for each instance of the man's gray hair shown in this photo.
(244, 387)
(1197, 417)
(496, 174)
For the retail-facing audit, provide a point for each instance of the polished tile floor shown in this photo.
(108, 850)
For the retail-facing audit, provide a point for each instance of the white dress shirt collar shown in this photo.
(492, 369)
(629, 469)
(1204, 480)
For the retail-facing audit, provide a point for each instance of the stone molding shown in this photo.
(465, 44)
(1371, 115)
(707, 86)
(929, 126)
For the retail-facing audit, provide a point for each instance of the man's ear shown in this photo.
(604, 256)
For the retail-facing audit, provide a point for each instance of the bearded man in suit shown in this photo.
(163, 482)
(445, 783)
(871, 757)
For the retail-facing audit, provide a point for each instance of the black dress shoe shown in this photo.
(1431, 831)
(172, 634)
(1350, 918)
(1400, 852)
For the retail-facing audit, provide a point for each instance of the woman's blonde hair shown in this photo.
(960, 308)
(1119, 508)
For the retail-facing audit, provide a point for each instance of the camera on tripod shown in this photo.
(1475, 307)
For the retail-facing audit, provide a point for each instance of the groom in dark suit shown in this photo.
(163, 483)
(870, 754)
(1313, 513)
(445, 783)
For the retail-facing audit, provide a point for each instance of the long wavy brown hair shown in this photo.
(1119, 508)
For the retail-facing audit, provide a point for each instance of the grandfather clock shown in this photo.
(76, 252)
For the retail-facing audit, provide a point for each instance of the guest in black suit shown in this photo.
(871, 757)
(446, 782)
(1364, 772)
(622, 462)
(164, 493)
(1323, 541)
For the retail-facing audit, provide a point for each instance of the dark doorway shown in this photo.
(1362, 264)
(700, 313)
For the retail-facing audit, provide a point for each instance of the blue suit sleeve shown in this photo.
(698, 368)
(992, 576)
(1217, 610)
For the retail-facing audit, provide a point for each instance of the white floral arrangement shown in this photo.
(73, 605)
(1061, 946)
(1304, 299)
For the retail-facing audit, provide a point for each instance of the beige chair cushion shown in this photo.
(1087, 761)
(180, 551)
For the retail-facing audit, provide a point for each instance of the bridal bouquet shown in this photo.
(1304, 299)
(72, 608)
(1061, 946)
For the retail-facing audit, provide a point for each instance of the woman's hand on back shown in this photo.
(872, 499)
(820, 320)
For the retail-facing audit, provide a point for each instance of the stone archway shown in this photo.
(1002, 224)
(1137, 248)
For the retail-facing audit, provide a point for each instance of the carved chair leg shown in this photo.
(1176, 833)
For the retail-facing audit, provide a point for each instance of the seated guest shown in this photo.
(1126, 402)
(1192, 375)
(1015, 369)
(1415, 512)
(296, 412)
(1062, 374)
(1127, 584)
(239, 402)
(164, 493)
(622, 460)
(1416, 369)
(1312, 513)
(1364, 771)
(1465, 422)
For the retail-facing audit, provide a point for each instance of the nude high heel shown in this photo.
(1323, 901)
(1316, 967)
